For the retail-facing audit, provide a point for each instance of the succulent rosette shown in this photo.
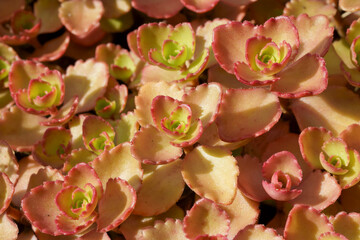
(337, 155)
(71, 206)
(35, 88)
(170, 48)
(276, 53)
(177, 124)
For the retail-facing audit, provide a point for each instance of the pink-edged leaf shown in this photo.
(206, 217)
(310, 43)
(47, 12)
(349, 135)
(311, 140)
(157, 145)
(65, 114)
(52, 50)
(332, 236)
(116, 205)
(335, 109)
(44, 174)
(132, 42)
(348, 5)
(347, 224)
(203, 170)
(163, 230)
(19, 129)
(69, 226)
(133, 225)
(257, 231)
(7, 191)
(250, 179)
(43, 215)
(242, 212)
(8, 162)
(118, 162)
(319, 190)
(88, 81)
(312, 8)
(161, 188)
(204, 101)
(199, 6)
(80, 16)
(94, 235)
(230, 43)
(246, 113)
(280, 194)
(294, 82)
(210, 137)
(8, 228)
(158, 8)
(83, 174)
(302, 215)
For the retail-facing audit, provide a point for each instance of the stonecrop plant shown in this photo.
(181, 119)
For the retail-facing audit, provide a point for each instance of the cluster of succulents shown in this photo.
(181, 119)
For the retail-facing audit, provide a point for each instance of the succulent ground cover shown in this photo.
(181, 119)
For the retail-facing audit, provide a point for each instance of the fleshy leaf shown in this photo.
(319, 190)
(47, 12)
(19, 129)
(246, 113)
(169, 229)
(80, 17)
(116, 205)
(203, 171)
(199, 6)
(347, 224)
(335, 109)
(205, 217)
(294, 82)
(88, 81)
(352, 176)
(242, 212)
(310, 43)
(42, 216)
(256, 231)
(158, 8)
(302, 215)
(7, 191)
(118, 162)
(161, 188)
(250, 178)
(157, 145)
(8, 228)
